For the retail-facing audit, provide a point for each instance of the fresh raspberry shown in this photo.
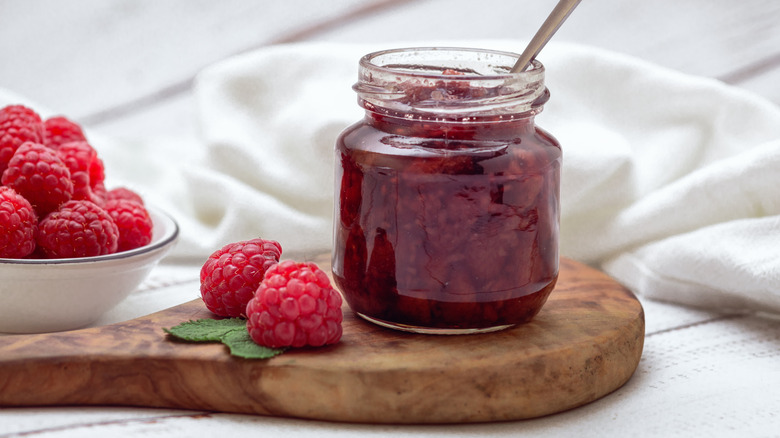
(77, 229)
(18, 124)
(18, 225)
(97, 173)
(231, 275)
(124, 193)
(60, 130)
(100, 193)
(37, 173)
(79, 156)
(295, 306)
(134, 223)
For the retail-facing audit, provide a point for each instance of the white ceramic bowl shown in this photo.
(64, 294)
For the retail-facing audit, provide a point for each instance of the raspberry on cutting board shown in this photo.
(18, 225)
(230, 276)
(295, 306)
(77, 229)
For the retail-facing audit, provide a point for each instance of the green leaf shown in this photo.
(241, 344)
(206, 330)
(230, 331)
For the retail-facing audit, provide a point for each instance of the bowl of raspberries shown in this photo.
(70, 248)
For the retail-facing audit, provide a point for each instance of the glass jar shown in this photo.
(447, 193)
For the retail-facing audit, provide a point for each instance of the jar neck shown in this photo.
(482, 128)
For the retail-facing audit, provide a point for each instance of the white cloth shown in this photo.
(670, 182)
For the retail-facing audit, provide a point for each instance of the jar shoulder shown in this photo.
(365, 137)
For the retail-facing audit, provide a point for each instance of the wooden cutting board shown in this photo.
(585, 343)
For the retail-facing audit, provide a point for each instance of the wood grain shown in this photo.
(585, 343)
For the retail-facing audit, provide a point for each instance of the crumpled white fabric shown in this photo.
(670, 182)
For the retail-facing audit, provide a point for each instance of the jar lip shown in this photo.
(449, 82)
(367, 62)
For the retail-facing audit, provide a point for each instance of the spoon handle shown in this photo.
(548, 29)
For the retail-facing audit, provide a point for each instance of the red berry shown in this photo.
(38, 174)
(231, 275)
(79, 157)
(100, 193)
(124, 193)
(18, 225)
(295, 306)
(18, 124)
(97, 173)
(59, 130)
(77, 229)
(134, 223)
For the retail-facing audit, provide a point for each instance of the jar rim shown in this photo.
(536, 67)
(452, 82)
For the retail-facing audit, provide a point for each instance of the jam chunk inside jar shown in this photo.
(447, 193)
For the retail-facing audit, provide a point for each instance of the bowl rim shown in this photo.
(165, 239)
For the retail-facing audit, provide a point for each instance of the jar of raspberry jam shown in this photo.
(447, 193)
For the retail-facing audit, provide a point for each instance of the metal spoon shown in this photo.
(548, 29)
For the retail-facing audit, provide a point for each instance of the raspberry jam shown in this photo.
(447, 193)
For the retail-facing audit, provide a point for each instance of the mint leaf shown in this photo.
(230, 331)
(241, 345)
(206, 330)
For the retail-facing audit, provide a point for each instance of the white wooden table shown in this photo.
(125, 69)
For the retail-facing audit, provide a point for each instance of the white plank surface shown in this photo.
(705, 37)
(84, 56)
(124, 68)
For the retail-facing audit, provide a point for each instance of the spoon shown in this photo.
(548, 29)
